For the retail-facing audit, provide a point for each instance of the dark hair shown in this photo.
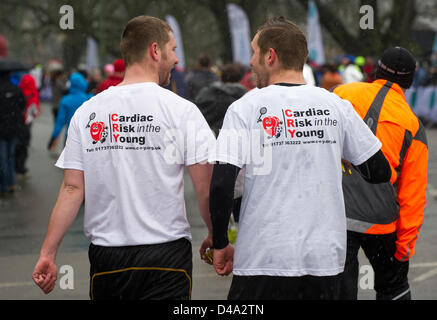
(231, 73)
(204, 61)
(139, 34)
(286, 39)
(330, 68)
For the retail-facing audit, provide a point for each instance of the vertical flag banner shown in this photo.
(92, 54)
(240, 34)
(172, 22)
(314, 35)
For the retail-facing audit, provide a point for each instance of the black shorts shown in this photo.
(146, 272)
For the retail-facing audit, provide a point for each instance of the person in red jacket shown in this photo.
(115, 78)
(32, 110)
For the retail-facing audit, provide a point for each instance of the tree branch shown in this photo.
(336, 28)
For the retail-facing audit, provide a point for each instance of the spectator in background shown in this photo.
(351, 72)
(331, 77)
(58, 84)
(248, 80)
(420, 74)
(32, 110)
(108, 70)
(15, 77)
(12, 104)
(214, 100)
(37, 73)
(46, 91)
(201, 77)
(95, 77)
(177, 83)
(345, 61)
(69, 104)
(369, 69)
(115, 78)
(430, 77)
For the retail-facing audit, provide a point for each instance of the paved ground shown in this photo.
(24, 218)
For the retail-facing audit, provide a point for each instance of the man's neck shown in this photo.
(287, 76)
(138, 73)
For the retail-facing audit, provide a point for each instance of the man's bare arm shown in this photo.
(71, 196)
(201, 176)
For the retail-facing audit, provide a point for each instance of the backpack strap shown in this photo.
(372, 116)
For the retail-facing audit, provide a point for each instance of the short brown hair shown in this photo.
(286, 39)
(231, 73)
(139, 34)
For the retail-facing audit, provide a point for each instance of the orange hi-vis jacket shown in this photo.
(405, 146)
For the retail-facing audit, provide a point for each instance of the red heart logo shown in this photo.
(96, 130)
(270, 125)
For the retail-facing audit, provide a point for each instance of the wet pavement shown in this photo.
(24, 218)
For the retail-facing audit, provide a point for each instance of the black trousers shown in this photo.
(390, 275)
(147, 272)
(284, 288)
(22, 149)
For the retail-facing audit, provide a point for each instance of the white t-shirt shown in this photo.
(132, 142)
(292, 219)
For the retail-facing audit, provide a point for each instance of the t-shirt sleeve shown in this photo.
(233, 140)
(359, 142)
(72, 157)
(199, 138)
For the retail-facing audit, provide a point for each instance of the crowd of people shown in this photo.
(328, 184)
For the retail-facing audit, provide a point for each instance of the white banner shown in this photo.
(240, 34)
(172, 22)
(314, 35)
(92, 54)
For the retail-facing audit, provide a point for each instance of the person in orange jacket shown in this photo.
(385, 219)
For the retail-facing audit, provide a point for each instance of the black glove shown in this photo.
(400, 269)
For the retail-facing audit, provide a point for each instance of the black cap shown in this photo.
(397, 65)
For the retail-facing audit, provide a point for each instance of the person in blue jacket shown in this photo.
(77, 95)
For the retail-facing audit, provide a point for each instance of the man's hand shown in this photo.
(207, 243)
(45, 274)
(224, 260)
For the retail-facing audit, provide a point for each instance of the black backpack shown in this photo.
(12, 104)
(368, 204)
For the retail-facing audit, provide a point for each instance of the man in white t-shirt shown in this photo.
(290, 137)
(125, 154)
